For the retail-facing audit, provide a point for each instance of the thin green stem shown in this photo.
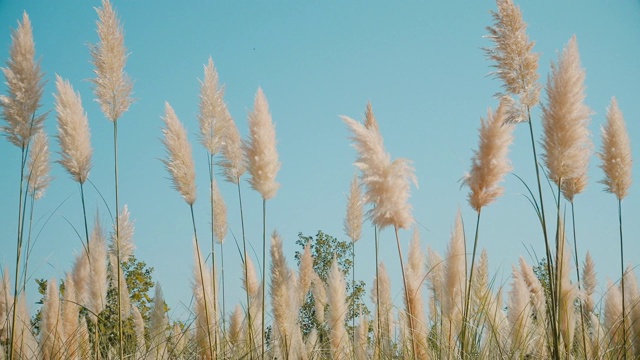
(18, 251)
(115, 172)
(378, 337)
(246, 271)
(559, 262)
(204, 293)
(624, 311)
(264, 264)
(213, 254)
(84, 214)
(224, 330)
(27, 251)
(406, 298)
(550, 306)
(353, 298)
(467, 295)
(575, 252)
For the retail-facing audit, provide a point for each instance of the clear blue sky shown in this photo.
(421, 65)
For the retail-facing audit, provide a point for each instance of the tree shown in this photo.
(323, 249)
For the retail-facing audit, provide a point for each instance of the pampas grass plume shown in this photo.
(179, 161)
(121, 246)
(38, 174)
(52, 331)
(337, 300)
(73, 132)
(25, 85)
(387, 183)
(616, 153)
(219, 214)
(490, 162)
(214, 116)
(97, 290)
(516, 65)
(112, 84)
(353, 219)
(565, 120)
(260, 149)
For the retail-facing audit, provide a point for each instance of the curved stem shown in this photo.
(353, 293)
(224, 330)
(204, 293)
(84, 214)
(406, 298)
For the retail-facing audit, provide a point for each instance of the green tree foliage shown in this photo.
(323, 249)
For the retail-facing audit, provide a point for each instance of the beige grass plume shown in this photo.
(566, 140)
(179, 160)
(283, 298)
(203, 294)
(122, 247)
(589, 283)
(219, 214)
(52, 330)
(387, 183)
(616, 153)
(235, 326)
(353, 218)
(233, 160)
(158, 324)
(567, 292)
(260, 149)
(337, 300)
(418, 329)
(138, 328)
(38, 175)
(214, 116)
(305, 274)
(519, 314)
(97, 289)
(454, 284)
(113, 86)
(490, 162)
(73, 132)
(25, 85)
(516, 65)
(381, 296)
(613, 315)
(70, 312)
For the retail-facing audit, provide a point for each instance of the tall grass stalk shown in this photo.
(264, 269)
(406, 294)
(467, 297)
(204, 292)
(213, 248)
(580, 300)
(624, 314)
(244, 251)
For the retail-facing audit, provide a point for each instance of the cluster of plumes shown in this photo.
(260, 149)
(387, 183)
(113, 87)
(515, 64)
(179, 160)
(38, 177)
(616, 153)
(353, 218)
(25, 84)
(73, 132)
(566, 140)
(490, 161)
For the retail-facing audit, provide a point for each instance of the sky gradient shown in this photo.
(421, 65)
